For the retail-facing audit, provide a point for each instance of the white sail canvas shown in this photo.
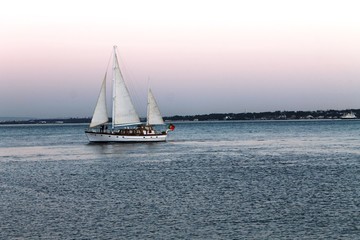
(153, 112)
(123, 109)
(100, 115)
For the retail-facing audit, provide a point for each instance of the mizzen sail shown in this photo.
(153, 112)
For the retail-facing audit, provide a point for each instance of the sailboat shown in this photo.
(125, 124)
(350, 115)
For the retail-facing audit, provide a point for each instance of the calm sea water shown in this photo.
(210, 180)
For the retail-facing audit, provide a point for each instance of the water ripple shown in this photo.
(277, 180)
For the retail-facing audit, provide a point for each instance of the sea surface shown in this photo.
(210, 180)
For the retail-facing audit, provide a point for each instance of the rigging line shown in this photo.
(108, 64)
(106, 74)
(110, 57)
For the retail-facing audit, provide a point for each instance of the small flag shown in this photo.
(171, 127)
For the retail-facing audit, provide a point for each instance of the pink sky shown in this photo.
(201, 56)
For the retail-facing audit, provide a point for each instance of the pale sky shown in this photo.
(201, 56)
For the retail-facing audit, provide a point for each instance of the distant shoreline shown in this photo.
(276, 115)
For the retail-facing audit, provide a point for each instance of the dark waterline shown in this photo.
(211, 180)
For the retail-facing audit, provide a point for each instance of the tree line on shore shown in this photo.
(276, 115)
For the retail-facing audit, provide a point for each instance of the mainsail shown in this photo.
(100, 115)
(124, 112)
(153, 113)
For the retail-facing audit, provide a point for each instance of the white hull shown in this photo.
(108, 137)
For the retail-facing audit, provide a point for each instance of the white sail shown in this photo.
(124, 112)
(153, 112)
(100, 115)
